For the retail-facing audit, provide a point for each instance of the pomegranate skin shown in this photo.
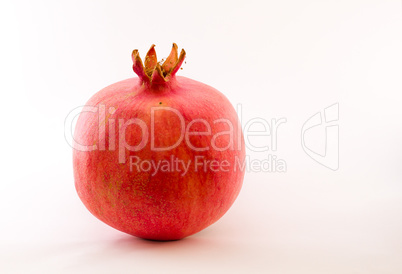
(167, 204)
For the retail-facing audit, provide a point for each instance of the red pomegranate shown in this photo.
(158, 156)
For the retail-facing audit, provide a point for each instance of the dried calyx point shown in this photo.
(154, 72)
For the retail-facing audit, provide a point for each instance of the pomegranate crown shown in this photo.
(154, 71)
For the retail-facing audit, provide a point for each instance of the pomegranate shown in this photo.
(158, 156)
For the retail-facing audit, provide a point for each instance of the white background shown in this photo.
(278, 59)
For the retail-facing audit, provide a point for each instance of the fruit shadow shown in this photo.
(127, 243)
(204, 243)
